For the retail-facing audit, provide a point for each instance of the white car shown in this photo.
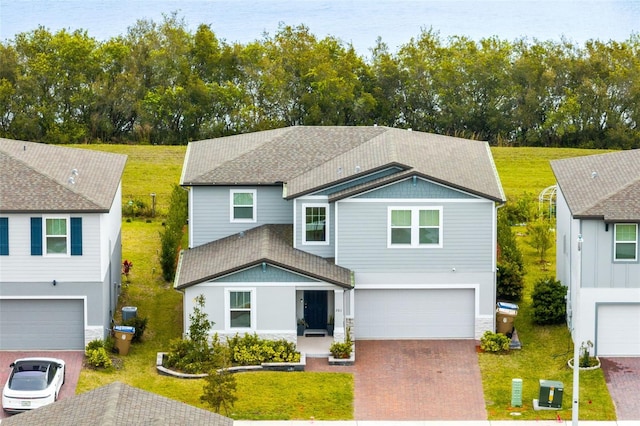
(33, 383)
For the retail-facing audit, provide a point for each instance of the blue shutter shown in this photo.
(36, 236)
(4, 236)
(76, 236)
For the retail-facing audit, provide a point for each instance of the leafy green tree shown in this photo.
(171, 236)
(540, 236)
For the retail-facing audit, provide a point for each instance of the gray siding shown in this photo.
(323, 250)
(598, 268)
(270, 274)
(468, 238)
(421, 189)
(210, 212)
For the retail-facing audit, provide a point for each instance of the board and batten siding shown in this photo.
(209, 212)
(88, 267)
(468, 240)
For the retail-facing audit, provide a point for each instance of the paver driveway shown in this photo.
(623, 381)
(414, 380)
(73, 361)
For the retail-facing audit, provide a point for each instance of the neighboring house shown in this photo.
(598, 212)
(60, 244)
(117, 404)
(390, 232)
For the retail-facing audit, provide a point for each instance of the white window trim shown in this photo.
(227, 309)
(615, 243)
(415, 228)
(45, 241)
(232, 192)
(326, 224)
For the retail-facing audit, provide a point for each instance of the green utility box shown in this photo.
(550, 394)
(516, 392)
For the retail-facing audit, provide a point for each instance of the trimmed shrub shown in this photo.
(252, 350)
(509, 282)
(494, 342)
(549, 302)
(98, 358)
(342, 350)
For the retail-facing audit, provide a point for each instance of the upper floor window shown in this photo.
(316, 222)
(56, 236)
(243, 205)
(626, 241)
(240, 309)
(415, 227)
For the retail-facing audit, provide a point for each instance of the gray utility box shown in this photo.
(550, 394)
(129, 312)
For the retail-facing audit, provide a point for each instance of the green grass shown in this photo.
(329, 396)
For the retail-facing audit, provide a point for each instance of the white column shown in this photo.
(338, 314)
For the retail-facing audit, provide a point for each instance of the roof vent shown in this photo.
(594, 175)
(357, 169)
(339, 171)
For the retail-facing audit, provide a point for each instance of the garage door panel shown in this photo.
(41, 324)
(415, 314)
(618, 333)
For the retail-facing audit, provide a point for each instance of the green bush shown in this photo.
(519, 210)
(98, 358)
(494, 342)
(171, 236)
(140, 324)
(342, 350)
(549, 302)
(252, 350)
(94, 344)
(509, 282)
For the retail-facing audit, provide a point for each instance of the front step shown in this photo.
(309, 332)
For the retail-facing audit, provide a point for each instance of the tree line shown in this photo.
(161, 83)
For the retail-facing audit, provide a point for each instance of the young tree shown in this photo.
(541, 237)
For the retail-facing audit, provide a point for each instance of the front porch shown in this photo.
(314, 345)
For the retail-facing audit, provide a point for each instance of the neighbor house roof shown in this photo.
(308, 159)
(602, 186)
(36, 177)
(270, 244)
(117, 404)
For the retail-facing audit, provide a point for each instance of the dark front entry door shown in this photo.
(315, 309)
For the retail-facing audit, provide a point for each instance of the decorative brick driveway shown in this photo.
(73, 361)
(623, 380)
(414, 380)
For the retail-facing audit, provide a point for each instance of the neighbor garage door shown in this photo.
(415, 314)
(27, 324)
(618, 331)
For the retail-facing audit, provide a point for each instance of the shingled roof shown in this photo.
(271, 244)
(117, 404)
(602, 186)
(308, 159)
(36, 177)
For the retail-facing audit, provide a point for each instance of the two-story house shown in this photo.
(389, 232)
(598, 212)
(60, 244)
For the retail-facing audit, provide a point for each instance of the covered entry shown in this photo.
(39, 324)
(316, 308)
(415, 313)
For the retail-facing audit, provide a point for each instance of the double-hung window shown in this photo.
(316, 224)
(626, 242)
(56, 236)
(415, 227)
(240, 309)
(243, 205)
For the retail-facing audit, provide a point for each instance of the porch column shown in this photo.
(338, 315)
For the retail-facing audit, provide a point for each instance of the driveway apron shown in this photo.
(73, 361)
(414, 380)
(623, 380)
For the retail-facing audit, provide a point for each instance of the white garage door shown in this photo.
(28, 324)
(618, 330)
(415, 314)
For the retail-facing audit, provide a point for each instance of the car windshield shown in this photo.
(28, 381)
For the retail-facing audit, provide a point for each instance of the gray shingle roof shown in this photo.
(271, 244)
(35, 177)
(117, 404)
(602, 186)
(309, 158)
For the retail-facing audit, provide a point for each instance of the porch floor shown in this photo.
(316, 346)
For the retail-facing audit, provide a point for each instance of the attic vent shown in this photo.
(339, 171)
(594, 175)
(357, 169)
